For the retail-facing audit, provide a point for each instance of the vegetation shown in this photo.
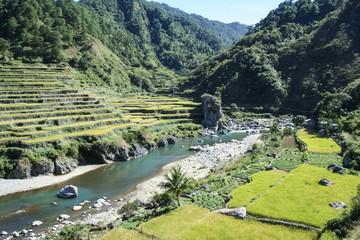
(280, 201)
(121, 233)
(176, 182)
(190, 222)
(289, 60)
(318, 145)
(260, 183)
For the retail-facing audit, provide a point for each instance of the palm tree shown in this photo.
(176, 182)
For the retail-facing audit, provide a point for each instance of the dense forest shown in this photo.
(290, 59)
(141, 41)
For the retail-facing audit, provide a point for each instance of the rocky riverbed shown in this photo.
(196, 166)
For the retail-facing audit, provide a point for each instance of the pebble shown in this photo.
(63, 217)
(54, 203)
(15, 234)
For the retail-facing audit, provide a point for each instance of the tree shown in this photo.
(176, 182)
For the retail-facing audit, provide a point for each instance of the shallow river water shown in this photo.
(18, 211)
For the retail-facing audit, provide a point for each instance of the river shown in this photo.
(18, 211)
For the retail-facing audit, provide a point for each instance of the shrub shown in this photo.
(129, 207)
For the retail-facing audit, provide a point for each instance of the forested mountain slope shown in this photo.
(287, 61)
(229, 33)
(145, 43)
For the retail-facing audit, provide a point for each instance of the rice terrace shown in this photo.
(134, 119)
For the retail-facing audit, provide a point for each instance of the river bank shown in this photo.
(197, 166)
(10, 186)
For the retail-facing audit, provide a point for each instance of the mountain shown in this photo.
(229, 33)
(145, 42)
(288, 60)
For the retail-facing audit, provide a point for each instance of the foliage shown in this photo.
(176, 182)
(73, 232)
(190, 222)
(289, 60)
(129, 207)
(261, 182)
(317, 144)
(299, 120)
(324, 159)
(125, 234)
(280, 201)
(348, 219)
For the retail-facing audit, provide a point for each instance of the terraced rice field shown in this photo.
(318, 145)
(190, 222)
(41, 104)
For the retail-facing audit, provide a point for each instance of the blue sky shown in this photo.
(243, 11)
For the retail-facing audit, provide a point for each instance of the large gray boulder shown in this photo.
(65, 165)
(212, 112)
(338, 205)
(69, 191)
(137, 151)
(326, 182)
(122, 154)
(163, 142)
(22, 170)
(43, 166)
(239, 213)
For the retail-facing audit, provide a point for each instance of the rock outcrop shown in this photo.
(69, 191)
(239, 213)
(63, 166)
(22, 170)
(212, 112)
(43, 166)
(137, 151)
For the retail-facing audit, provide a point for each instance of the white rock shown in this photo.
(15, 234)
(31, 234)
(97, 205)
(24, 231)
(3, 233)
(63, 217)
(36, 223)
(77, 208)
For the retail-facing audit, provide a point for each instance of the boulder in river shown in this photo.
(171, 140)
(137, 151)
(196, 148)
(36, 223)
(3, 233)
(70, 191)
(76, 208)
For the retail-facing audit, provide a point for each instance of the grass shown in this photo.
(262, 181)
(190, 222)
(324, 159)
(288, 160)
(318, 145)
(124, 234)
(299, 197)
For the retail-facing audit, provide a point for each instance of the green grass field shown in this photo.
(324, 159)
(261, 182)
(190, 222)
(124, 234)
(299, 197)
(318, 145)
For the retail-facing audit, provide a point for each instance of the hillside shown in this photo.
(229, 33)
(289, 60)
(149, 44)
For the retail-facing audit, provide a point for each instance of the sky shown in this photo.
(244, 11)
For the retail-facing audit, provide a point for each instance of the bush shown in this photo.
(129, 207)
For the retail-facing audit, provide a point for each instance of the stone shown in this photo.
(346, 161)
(63, 217)
(31, 234)
(4, 233)
(69, 191)
(171, 140)
(162, 142)
(97, 205)
(338, 205)
(141, 202)
(239, 213)
(137, 151)
(212, 112)
(76, 208)
(326, 182)
(322, 133)
(22, 170)
(42, 166)
(63, 166)
(54, 203)
(24, 231)
(122, 155)
(15, 234)
(338, 169)
(36, 223)
(196, 148)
